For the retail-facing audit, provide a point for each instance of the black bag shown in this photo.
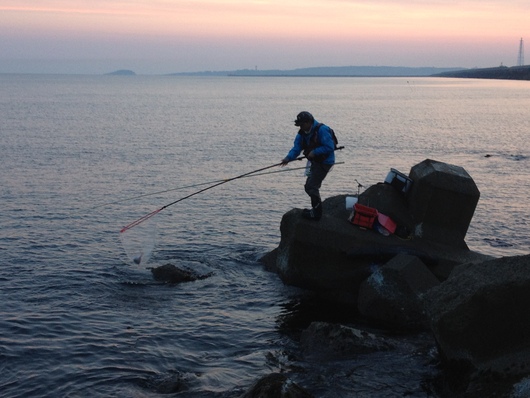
(333, 136)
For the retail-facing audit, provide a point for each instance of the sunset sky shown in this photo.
(165, 36)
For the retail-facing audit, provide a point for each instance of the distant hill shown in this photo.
(353, 71)
(501, 72)
(122, 72)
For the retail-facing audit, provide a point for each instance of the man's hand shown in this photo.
(311, 155)
(284, 162)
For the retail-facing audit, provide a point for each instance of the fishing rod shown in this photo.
(190, 186)
(216, 184)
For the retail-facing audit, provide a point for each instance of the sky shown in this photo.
(171, 36)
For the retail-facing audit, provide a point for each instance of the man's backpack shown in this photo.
(333, 136)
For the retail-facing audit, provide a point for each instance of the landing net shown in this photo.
(139, 242)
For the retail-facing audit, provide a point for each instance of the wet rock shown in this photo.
(269, 261)
(479, 317)
(521, 389)
(328, 340)
(169, 273)
(391, 295)
(276, 385)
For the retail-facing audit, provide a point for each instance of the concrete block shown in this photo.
(413, 272)
(442, 202)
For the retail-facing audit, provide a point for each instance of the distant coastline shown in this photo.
(501, 72)
(330, 71)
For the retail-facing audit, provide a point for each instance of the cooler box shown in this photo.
(363, 216)
(387, 223)
(398, 180)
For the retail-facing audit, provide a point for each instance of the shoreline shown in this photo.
(500, 72)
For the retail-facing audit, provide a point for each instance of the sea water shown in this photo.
(78, 318)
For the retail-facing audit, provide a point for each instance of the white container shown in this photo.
(350, 202)
(398, 180)
(307, 171)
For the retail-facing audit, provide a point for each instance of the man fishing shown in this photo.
(317, 143)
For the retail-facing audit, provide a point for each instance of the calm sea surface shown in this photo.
(76, 319)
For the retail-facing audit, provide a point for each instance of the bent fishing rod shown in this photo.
(217, 183)
(220, 182)
(191, 186)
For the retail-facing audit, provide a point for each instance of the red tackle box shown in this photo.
(363, 216)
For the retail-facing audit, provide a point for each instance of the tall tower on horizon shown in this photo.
(520, 58)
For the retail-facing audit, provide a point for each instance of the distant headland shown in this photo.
(122, 72)
(500, 72)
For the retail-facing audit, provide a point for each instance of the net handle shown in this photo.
(140, 220)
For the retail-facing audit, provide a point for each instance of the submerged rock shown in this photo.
(170, 383)
(276, 385)
(171, 274)
(338, 341)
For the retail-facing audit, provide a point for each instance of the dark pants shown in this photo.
(313, 183)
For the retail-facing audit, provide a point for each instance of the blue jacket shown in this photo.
(325, 144)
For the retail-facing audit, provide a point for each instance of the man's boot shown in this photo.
(315, 213)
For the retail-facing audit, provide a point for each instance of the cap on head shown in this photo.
(303, 117)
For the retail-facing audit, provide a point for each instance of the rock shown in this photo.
(276, 385)
(412, 272)
(479, 317)
(442, 202)
(521, 389)
(391, 295)
(313, 255)
(170, 383)
(269, 260)
(333, 257)
(171, 274)
(335, 341)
